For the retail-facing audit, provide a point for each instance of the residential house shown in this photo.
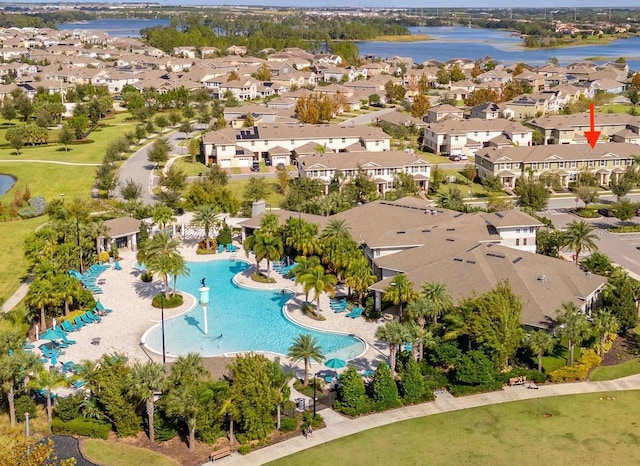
(569, 129)
(443, 111)
(486, 111)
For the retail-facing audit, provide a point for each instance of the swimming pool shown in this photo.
(248, 320)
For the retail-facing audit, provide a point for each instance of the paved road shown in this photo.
(367, 118)
(139, 169)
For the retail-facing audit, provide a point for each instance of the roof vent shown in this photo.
(542, 278)
(499, 214)
(400, 232)
(426, 231)
(471, 262)
(517, 259)
(457, 259)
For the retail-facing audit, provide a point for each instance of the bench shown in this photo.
(517, 380)
(221, 453)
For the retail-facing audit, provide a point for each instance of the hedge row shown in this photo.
(81, 426)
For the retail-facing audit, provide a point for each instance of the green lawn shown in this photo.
(599, 428)
(113, 454)
(615, 372)
(191, 169)
(274, 199)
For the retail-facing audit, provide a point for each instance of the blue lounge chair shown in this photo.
(86, 319)
(67, 326)
(355, 312)
(229, 245)
(79, 322)
(77, 384)
(220, 248)
(117, 266)
(69, 366)
(340, 310)
(92, 317)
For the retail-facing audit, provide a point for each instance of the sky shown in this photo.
(388, 4)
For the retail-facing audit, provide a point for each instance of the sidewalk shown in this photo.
(338, 426)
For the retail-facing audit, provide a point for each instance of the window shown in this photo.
(524, 242)
(330, 140)
(534, 166)
(546, 165)
(517, 241)
(574, 164)
(293, 141)
(531, 229)
(592, 163)
(560, 164)
(377, 143)
(344, 140)
(517, 230)
(616, 163)
(603, 163)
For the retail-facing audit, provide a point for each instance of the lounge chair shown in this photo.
(69, 366)
(229, 247)
(78, 321)
(86, 319)
(77, 384)
(355, 312)
(340, 310)
(90, 318)
(220, 248)
(117, 266)
(67, 326)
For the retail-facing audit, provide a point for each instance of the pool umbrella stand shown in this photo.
(335, 363)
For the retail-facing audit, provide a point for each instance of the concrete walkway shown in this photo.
(339, 426)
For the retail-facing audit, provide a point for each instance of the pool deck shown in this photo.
(130, 300)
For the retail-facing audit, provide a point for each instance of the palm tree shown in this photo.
(394, 334)
(15, 365)
(573, 325)
(159, 254)
(279, 380)
(303, 266)
(41, 295)
(336, 228)
(399, 292)
(304, 348)
(264, 246)
(67, 290)
(189, 402)
(163, 215)
(144, 380)
(605, 322)
(359, 277)
(206, 217)
(179, 269)
(320, 282)
(303, 237)
(541, 343)
(188, 370)
(578, 236)
(439, 299)
(48, 379)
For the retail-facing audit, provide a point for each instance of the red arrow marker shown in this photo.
(592, 136)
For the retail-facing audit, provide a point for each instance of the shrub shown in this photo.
(309, 419)
(462, 390)
(288, 424)
(580, 369)
(244, 449)
(412, 386)
(474, 368)
(384, 388)
(352, 400)
(35, 208)
(103, 256)
(81, 426)
(174, 300)
(225, 236)
(165, 429)
(261, 278)
(24, 404)
(69, 407)
(146, 277)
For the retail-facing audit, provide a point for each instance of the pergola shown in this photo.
(124, 231)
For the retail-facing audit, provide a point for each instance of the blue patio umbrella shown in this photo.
(335, 363)
(51, 335)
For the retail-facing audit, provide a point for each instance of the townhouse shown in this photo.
(569, 129)
(282, 143)
(466, 137)
(606, 161)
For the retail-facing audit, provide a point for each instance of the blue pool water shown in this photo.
(248, 320)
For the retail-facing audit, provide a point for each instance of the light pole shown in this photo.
(164, 351)
(27, 427)
(204, 300)
(315, 383)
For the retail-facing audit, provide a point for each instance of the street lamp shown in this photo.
(315, 383)
(204, 300)
(26, 418)
(164, 351)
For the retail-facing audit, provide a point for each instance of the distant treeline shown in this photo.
(258, 32)
(42, 20)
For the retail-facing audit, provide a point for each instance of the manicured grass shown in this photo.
(274, 199)
(593, 428)
(615, 108)
(13, 266)
(114, 454)
(615, 372)
(191, 169)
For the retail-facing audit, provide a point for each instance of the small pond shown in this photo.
(6, 183)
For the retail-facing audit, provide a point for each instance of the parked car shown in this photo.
(255, 167)
(605, 212)
(455, 158)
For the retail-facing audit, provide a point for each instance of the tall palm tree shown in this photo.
(399, 292)
(144, 380)
(15, 365)
(48, 379)
(179, 269)
(605, 322)
(41, 295)
(188, 403)
(159, 254)
(338, 253)
(541, 343)
(438, 298)
(573, 325)
(320, 282)
(304, 348)
(188, 370)
(394, 334)
(265, 246)
(67, 290)
(206, 217)
(303, 237)
(359, 277)
(579, 236)
(336, 228)
(303, 266)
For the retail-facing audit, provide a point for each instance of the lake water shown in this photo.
(447, 43)
(115, 27)
(462, 42)
(6, 183)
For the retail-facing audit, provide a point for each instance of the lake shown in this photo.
(115, 27)
(463, 42)
(6, 183)
(447, 43)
